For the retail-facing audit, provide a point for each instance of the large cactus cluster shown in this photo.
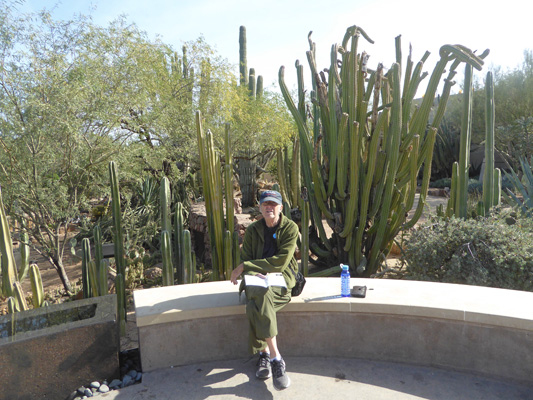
(223, 238)
(362, 155)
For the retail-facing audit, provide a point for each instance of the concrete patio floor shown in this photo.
(318, 378)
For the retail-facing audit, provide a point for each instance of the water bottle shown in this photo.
(345, 281)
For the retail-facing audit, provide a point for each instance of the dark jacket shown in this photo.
(283, 261)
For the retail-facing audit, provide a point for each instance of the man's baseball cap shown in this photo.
(270, 195)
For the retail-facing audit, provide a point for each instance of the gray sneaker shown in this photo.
(264, 371)
(281, 379)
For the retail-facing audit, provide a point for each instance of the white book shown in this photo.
(273, 279)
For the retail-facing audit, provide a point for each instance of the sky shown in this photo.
(277, 30)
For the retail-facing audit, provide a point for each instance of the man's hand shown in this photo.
(236, 273)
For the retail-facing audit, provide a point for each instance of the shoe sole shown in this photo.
(264, 378)
(282, 388)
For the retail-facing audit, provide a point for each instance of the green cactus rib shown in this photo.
(331, 134)
(168, 273)
(36, 286)
(342, 159)
(488, 177)
(93, 278)
(7, 258)
(12, 305)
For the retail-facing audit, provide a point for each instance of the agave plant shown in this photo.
(523, 186)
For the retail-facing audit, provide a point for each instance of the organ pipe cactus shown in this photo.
(213, 193)
(361, 163)
(492, 176)
(7, 258)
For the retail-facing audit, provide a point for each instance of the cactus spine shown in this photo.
(361, 163)
(7, 258)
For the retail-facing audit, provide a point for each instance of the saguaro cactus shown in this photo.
(361, 163)
(243, 63)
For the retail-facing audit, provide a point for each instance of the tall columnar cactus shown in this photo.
(492, 176)
(85, 268)
(178, 249)
(213, 193)
(243, 64)
(118, 239)
(361, 163)
(36, 286)
(464, 152)
(168, 271)
(7, 258)
(166, 224)
(228, 181)
(189, 267)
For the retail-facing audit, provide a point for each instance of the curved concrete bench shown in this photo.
(463, 328)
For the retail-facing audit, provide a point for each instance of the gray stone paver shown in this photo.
(319, 378)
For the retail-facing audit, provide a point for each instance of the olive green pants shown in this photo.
(261, 307)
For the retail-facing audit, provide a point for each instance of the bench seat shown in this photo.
(459, 327)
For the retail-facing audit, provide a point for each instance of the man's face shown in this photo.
(271, 209)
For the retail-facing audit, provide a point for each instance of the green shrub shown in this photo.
(496, 251)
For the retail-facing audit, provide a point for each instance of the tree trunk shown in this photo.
(58, 266)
